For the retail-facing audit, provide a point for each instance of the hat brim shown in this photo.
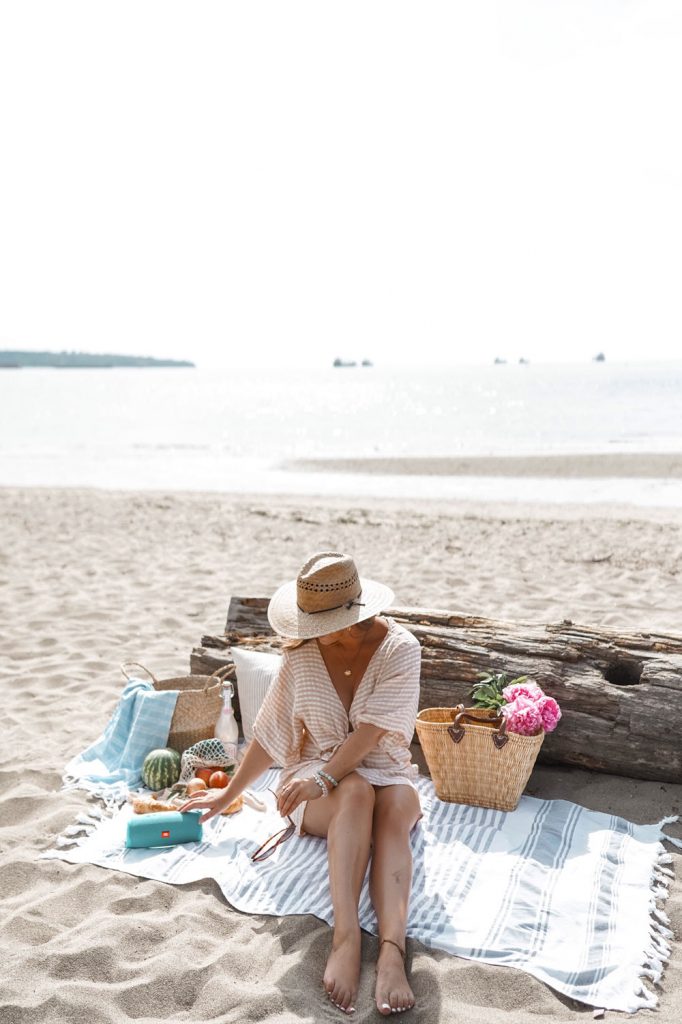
(287, 619)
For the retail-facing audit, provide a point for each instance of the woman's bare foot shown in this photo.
(342, 974)
(393, 993)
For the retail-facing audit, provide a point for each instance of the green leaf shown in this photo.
(487, 693)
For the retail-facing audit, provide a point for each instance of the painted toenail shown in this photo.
(385, 1006)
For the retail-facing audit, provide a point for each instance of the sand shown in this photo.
(630, 465)
(91, 578)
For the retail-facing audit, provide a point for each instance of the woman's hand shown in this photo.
(216, 800)
(295, 792)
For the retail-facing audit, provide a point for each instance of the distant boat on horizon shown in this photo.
(599, 358)
(351, 362)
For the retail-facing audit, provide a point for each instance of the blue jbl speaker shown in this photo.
(163, 828)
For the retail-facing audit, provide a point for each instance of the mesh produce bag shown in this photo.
(206, 754)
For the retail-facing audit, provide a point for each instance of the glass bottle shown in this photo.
(226, 728)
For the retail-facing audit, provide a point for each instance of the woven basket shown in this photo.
(198, 705)
(473, 759)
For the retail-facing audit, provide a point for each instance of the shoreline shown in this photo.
(597, 465)
(618, 479)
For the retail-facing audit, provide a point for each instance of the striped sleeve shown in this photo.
(276, 727)
(394, 702)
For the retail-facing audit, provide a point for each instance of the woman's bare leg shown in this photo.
(396, 810)
(345, 818)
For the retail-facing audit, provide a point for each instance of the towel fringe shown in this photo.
(670, 820)
(62, 842)
(112, 795)
(658, 951)
(88, 818)
(661, 915)
(86, 824)
(658, 948)
(74, 830)
(645, 998)
(656, 967)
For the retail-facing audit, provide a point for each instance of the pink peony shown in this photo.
(550, 712)
(523, 715)
(529, 690)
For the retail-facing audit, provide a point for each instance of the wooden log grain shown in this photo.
(620, 692)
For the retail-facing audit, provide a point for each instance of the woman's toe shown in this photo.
(344, 1000)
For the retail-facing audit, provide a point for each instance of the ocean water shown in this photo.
(231, 430)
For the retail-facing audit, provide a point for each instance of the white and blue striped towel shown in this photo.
(566, 894)
(113, 763)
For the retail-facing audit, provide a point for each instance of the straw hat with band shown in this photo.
(327, 595)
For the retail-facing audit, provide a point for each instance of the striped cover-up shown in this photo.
(302, 721)
(566, 894)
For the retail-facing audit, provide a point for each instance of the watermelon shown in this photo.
(161, 768)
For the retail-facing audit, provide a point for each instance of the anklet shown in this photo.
(399, 948)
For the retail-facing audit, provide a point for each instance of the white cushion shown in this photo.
(255, 672)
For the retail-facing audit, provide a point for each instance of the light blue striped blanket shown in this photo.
(569, 895)
(113, 763)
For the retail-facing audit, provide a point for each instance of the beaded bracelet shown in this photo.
(321, 783)
(329, 778)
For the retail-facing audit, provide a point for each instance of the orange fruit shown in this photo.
(218, 780)
(196, 786)
(204, 773)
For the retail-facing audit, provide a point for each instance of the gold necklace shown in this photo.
(349, 671)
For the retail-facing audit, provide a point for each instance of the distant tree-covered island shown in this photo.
(10, 359)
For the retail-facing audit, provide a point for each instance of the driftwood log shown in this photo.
(620, 693)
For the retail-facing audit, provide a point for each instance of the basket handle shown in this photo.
(125, 664)
(499, 735)
(222, 674)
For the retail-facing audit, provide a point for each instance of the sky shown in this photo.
(254, 183)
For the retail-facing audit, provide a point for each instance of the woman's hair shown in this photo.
(291, 644)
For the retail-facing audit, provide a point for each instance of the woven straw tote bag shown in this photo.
(198, 705)
(473, 759)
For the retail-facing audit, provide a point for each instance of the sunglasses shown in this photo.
(271, 844)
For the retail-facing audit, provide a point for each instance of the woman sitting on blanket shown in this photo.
(339, 718)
